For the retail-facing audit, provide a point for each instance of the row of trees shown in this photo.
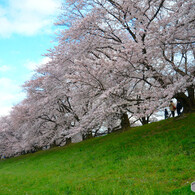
(123, 59)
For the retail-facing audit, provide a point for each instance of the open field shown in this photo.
(153, 159)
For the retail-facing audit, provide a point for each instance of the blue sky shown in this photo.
(26, 32)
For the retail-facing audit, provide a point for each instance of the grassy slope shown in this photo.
(153, 159)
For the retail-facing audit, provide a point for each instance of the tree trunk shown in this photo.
(87, 135)
(144, 120)
(191, 97)
(187, 101)
(68, 140)
(125, 121)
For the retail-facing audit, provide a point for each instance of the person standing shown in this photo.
(172, 108)
(179, 107)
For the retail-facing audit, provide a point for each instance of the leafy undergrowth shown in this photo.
(153, 159)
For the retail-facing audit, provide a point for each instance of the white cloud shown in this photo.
(10, 93)
(28, 17)
(4, 68)
(32, 65)
(5, 110)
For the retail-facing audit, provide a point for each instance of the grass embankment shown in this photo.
(152, 159)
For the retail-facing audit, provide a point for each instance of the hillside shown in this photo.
(153, 159)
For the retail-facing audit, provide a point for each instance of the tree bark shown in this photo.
(68, 140)
(191, 97)
(125, 121)
(87, 135)
(187, 101)
(144, 120)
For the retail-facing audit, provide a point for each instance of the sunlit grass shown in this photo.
(153, 159)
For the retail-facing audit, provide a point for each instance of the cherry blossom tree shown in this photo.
(154, 37)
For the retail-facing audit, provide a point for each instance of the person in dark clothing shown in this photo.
(179, 107)
(166, 114)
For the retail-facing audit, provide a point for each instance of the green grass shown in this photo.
(153, 159)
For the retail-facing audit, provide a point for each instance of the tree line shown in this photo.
(114, 61)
